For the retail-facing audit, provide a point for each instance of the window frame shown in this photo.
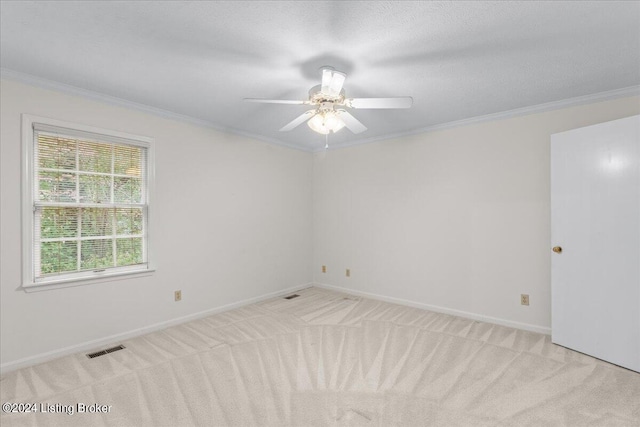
(29, 282)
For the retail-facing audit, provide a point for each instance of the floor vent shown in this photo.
(107, 351)
(292, 296)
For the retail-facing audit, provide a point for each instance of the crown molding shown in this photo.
(32, 80)
(540, 108)
(96, 96)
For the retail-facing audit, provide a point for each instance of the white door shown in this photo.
(595, 231)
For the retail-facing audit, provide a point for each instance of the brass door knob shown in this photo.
(557, 249)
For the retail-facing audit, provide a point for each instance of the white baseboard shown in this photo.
(93, 344)
(503, 322)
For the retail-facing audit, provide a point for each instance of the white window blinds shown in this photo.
(90, 207)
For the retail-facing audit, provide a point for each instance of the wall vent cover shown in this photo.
(292, 296)
(106, 351)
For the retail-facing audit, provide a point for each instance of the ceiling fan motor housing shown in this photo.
(326, 106)
(316, 96)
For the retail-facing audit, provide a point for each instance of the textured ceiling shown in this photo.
(458, 60)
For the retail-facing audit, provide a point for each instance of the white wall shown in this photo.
(456, 220)
(232, 221)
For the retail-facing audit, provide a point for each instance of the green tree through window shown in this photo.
(89, 204)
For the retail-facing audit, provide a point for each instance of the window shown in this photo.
(87, 211)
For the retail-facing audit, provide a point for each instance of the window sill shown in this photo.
(81, 281)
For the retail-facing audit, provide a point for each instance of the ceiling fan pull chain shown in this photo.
(326, 141)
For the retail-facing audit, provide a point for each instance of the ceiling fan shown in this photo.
(328, 101)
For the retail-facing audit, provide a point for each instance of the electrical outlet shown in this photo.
(177, 296)
(324, 268)
(524, 299)
(348, 273)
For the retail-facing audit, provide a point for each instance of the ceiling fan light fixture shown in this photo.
(317, 124)
(333, 122)
(326, 122)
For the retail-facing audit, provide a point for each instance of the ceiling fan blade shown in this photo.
(275, 101)
(351, 122)
(298, 121)
(396, 102)
(326, 79)
(337, 81)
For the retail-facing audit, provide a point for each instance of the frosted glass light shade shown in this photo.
(317, 124)
(326, 122)
(333, 121)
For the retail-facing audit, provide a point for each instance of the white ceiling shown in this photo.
(458, 60)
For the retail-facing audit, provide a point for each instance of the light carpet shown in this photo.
(331, 359)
